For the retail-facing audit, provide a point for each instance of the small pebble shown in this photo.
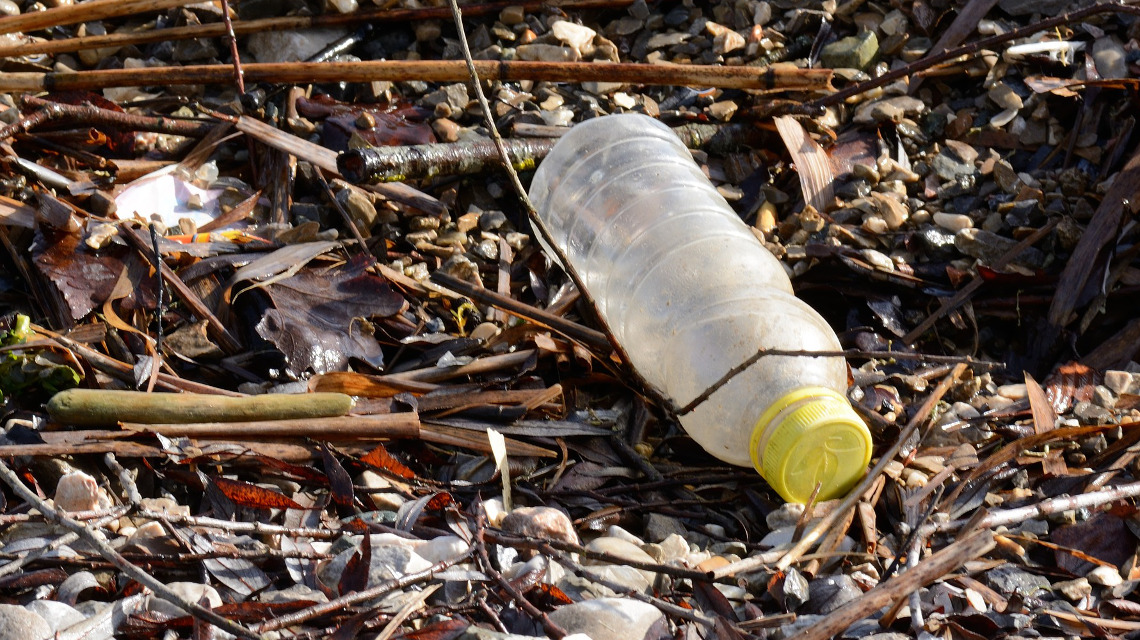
(540, 522)
(953, 222)
(1105, 576)
(18, 623)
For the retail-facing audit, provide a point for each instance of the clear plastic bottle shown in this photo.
(690, 293)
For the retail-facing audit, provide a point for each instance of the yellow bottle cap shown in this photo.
(811, 436)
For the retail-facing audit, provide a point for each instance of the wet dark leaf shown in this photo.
(710, 600)
(1104, 537)
(355, 575)
(84, 278)
(389, 125)
(319, 320)
(339, 481)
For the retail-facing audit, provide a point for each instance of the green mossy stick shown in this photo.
(98, 407)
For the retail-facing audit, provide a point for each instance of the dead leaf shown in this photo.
(339, 481)
(817, 178)
(246, 494)
(1104, 537)
(379, 458)
(319, 319)
(355, 575)
(1070, 383)
(1044, 417)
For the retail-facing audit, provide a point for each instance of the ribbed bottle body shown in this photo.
(680, 280)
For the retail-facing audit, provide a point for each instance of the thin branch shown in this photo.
(286, 23)
(379, 590)
(756, 78)
(85, 12)
(120, 563)
(885, 593)
(921, 415)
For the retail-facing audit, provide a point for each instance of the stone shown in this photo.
(1074, 590)
(442, 548)
(576, 36)
(852, 52)
(77, 491)
(831, 592)
(392, 557)
(359, 207)
(950, 167)
(663, 40)
(989, 247)
(58, 615)
(1003, 96)
(893, 212)
(189, 591)
(878, 259)
(547, 53)
(291, 46)
(727, 42)
(786, 515)
(540, 522)
(1105, 576)
(615, 531)
(1029, 7)
(18, 623)
(454, 95)
(658, 527)
(512, 15)
(1110, 58)
(428, 30)
(953, 222)
(1008, 579)
(613, 618)
(9, 8)
(674, 547)
(625, 550)
(1119, 381)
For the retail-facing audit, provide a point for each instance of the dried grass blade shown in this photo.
(1044, 417)
(812, 164)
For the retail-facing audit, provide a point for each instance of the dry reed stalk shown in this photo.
(765, 79)
(388, 425)
(85, 12)
(287, 23)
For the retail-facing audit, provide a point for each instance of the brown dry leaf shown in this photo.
(1044, 417)
(246, 494)
(319, 319)
(379, 458)
(83, 278)
(1071, 383)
